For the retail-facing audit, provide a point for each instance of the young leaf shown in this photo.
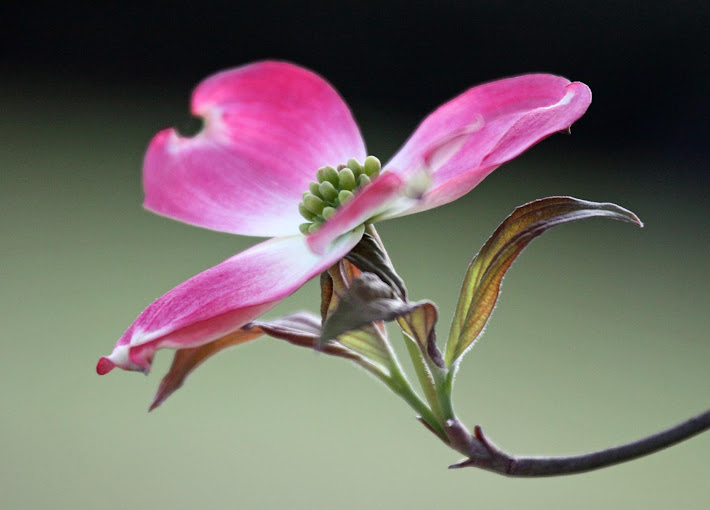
(334, 283)
(367, 343)
(481, 284)
(326, 294)
(367, 300)
(368, 256)
(301, 329)
(370, 300)
(419, 324)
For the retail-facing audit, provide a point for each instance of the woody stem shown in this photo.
(486, 455)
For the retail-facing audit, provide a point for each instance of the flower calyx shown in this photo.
(333, 188)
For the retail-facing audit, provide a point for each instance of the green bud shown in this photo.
(331, 174)
(372, 166)
(363, 180)
(328, 213)
(347, 179)
(333, 188)
(305, 212)
(328, 191)
(313, 203)
(355, 166)
(315, 189)
(344, 196)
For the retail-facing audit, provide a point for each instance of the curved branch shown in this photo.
(486, 455)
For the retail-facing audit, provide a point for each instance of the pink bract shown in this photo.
(268, 127)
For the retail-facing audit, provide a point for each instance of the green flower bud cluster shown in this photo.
(333, 188)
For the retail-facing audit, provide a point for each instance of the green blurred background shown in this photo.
(600, 335)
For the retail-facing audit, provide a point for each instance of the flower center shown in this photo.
(334, 188)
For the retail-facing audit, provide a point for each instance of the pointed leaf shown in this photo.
(301, 329)
(187, 360)
(368, 343)
(334, 283)
(359, 302)
(485, 272)
(368, 256)
(419, 324)
(326, 294)
(368, 300)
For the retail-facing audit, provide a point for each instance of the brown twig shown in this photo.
(485, 454)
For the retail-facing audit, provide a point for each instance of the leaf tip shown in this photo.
(626, 214)
(167, 387)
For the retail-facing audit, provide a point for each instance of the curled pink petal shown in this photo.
(373, 199)
(269, 126)
(483, 128)
(222, 299)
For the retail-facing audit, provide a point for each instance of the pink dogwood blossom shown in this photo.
(268, 128)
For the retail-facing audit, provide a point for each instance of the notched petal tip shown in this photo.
(227, 177)
(191, 127)
(170, 141)
(104, 366)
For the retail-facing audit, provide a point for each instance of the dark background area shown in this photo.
(646, 61)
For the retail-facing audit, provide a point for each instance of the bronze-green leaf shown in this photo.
(353, 324)
(302, 329)
(368, 300)
(482, 281)
(419, 324)
(366, 342)
(334, 283)
(368, 256)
